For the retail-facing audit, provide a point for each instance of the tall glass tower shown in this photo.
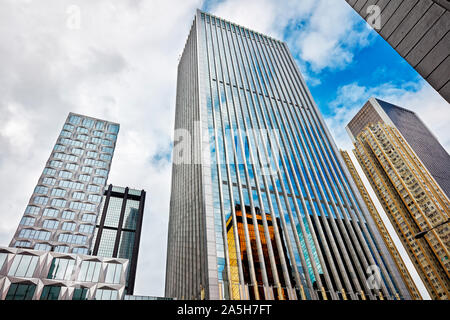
(262, 205)
(63, 208)
(119, 225)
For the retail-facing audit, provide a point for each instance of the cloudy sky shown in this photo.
(117, 60)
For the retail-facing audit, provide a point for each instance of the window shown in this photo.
(41, 190)
(106, 294)
(22, 244)
(77, 151)
(92, 188)
(87, 170)
(59, 203)
(113, 272)
(62, 249)
(76, 205)
(111, 136)
(113, 128)
(101, 172)
(106, 142)
(86, 228)
(94, 198)
(71, 238)
(96, 140)
(59, 192)
(68, 226)
(88, 122)
(74, 119)
(78, 195)
(49, 212)
(91, 146)
(49, 181)
(49, 171)
(3, 257)
(99, 180)
(71, 185)
(65, 133)
(82, 130)
(42, 247)
(98, 133)
(27, 221)
(65, 174)
(80, 250)
(67, 157)
(99, 125)
(71, 142)
(84, 177)
(50, 292)
(71, 166)
(68, 127)
(32, 210)
(92, 154)
(50, 224)
(89, 218)
(80, 294)
(89, 271)
(61, 269)
(34, 234)
(23, 266)
(94, 163)
(106, 157)
(55, 163)
(107, 149)
(20, 291)
(40, 200)
(82, 137)
(69, 215)
(59, 147)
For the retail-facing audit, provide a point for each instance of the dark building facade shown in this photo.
(419, 31)
(118, 228)
(430, 152)
(262, 206)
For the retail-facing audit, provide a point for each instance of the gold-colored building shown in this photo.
(412, 199)
(415, 294)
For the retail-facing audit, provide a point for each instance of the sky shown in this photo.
(117, 60)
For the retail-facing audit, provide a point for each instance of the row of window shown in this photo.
(69, 129)
(76, 195)
(53, 213)
(25, 291)
(75, 205)
(63, 237)
(106, 145)
(47, 247)
(89, 123)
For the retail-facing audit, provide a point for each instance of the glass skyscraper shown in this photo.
(262, 204)
(118, 230)
(63, 209)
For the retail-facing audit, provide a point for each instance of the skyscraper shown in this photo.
(415, 294)
(418, 30)
(118, 230)
(262, 205)
(63, 208)
(424, 144)
(47, 258)
(412, 199)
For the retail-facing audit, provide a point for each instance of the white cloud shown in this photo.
(121, 65)
(321, 33)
